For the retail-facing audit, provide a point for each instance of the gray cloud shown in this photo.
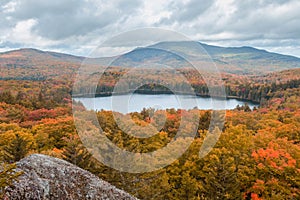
(269, 19)
(185, 12)
(261, 18)
(245, 19)
(77, 26)
(58, 19)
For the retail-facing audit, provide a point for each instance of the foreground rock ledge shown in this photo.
(46, 177)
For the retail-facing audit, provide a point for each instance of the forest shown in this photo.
(256, 89)
(256, 157)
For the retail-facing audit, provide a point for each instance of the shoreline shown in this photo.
(108, 94)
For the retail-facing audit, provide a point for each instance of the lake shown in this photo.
(136, 102)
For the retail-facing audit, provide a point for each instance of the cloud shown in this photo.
(61, 19)
(267, 19)
(184, 12)
(78, 26)
(22, 30)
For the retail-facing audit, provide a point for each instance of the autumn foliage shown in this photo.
(257, 156)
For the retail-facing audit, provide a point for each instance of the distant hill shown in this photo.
(279, 77)
(45, 177)
(238, 60)
(29, 54)
(33, 64)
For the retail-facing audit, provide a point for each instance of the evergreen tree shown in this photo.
(7, 97)
(247, 108)
(16, 150)
(77, 154)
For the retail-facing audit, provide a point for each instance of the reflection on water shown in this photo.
(136, 102)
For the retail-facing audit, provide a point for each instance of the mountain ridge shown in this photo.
(58, 55)
(235, 60)
(208, 46)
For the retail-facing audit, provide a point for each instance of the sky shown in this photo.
(78, 26)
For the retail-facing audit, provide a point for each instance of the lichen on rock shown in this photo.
(46, 178)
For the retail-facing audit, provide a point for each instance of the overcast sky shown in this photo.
(77, 26)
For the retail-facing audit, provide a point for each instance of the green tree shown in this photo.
(76, 153)
(16, 150)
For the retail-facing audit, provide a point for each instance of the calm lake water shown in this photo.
(136, 102)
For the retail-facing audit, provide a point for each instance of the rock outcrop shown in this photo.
(46, 177)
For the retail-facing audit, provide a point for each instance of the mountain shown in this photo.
(45, 177)
(238, 60)
(30, 54)
(33, 64)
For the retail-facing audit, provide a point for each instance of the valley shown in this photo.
(256, 155)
